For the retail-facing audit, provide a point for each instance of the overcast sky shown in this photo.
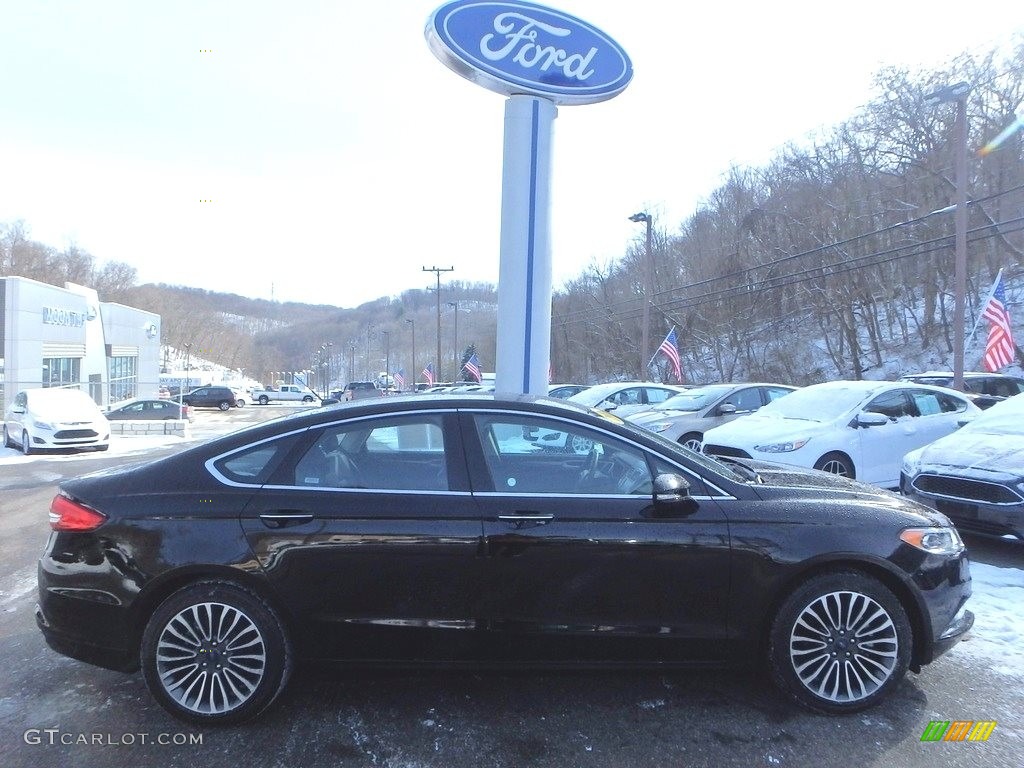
(340, 157)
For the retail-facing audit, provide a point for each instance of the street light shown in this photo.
(412, 371)
(958, 93)
(455, 342)
(369, 330)
(351, 361)
(387, 358)
(636, 218)
(181, 390)
(437, 271)
(326, 347)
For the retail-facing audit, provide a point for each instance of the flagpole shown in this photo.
(981, 314)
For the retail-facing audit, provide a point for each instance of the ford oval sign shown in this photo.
(522, 48)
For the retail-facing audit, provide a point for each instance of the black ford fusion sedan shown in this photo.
(470, 530)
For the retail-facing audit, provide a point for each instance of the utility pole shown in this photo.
(648, 291)
(437, 271)
(458, 357)
(958, 93)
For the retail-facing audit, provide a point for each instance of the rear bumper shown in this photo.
(117, 659)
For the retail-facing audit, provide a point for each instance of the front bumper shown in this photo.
(957, 628)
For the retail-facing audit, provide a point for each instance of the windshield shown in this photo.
(816, 403)
(694, 399)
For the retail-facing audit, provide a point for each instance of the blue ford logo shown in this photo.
(522, 48)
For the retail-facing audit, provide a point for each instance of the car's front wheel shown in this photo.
(836, 463)
(224, 405)
(26, 443)
(839, 643)
(264, 399)
(692, 440)
(8, 443)
(215, 653)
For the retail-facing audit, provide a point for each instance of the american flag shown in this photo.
(400, 378)
(670, 347)
(999, 349)
(472, 367)
(428, 374)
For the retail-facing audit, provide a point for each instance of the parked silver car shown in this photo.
(687, 416)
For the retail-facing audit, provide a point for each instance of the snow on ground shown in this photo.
(120, 445)
(997, 637)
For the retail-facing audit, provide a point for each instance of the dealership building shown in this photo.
(63, 337)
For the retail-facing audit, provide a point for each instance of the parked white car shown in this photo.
(52, 418)
(859, 429)
(625, 397)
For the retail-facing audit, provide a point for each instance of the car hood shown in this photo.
(667, 414)
(757, 429)
(966, 450)
(780, 481)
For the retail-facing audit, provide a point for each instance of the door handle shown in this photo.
(525, 519)
(285, 519)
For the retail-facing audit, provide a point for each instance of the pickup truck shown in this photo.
(284, 392)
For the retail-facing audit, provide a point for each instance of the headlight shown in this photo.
(792, 445)
(44, 425)
(934, 541)
(912, 464)
(661, 426)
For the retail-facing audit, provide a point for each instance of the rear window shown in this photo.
(254, 465)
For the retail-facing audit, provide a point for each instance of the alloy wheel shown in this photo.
(210, 658)
(843, 646)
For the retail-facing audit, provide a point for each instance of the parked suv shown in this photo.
(983, 389)
(359, 390)
(210, 397)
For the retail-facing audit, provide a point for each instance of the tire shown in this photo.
(8, 443)
(26, 444)
(837, 464)
(692, 440)
(200, 682)
(224, 405)
(307, 399)
(239, 402)
(813, 639)
(264, 399)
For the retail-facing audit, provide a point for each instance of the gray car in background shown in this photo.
(687, 416)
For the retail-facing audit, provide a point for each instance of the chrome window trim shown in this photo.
(634, 496)
(209, 463)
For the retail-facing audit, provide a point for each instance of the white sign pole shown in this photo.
(524, 273)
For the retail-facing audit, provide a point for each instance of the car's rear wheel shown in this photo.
(839, 643)
(215, 653)
(239, 402)
(264, 399)
(307, 399)
(692, 440)
(836, 463)
(224, 405)
(26, 443)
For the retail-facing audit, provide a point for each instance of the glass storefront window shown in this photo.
(61, 371)
(124, 378)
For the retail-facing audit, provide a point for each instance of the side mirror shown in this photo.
(670, 488)
(726, 408)
(871, 419)
(17, 409)
(608, 405)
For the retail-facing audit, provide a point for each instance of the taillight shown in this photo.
(68, 515)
